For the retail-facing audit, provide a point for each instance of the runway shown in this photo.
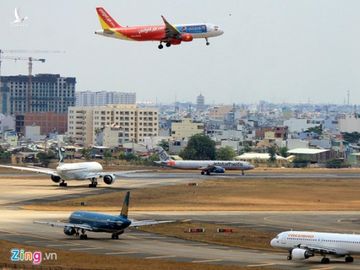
(17, 225)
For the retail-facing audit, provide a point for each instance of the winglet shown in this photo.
(106, 21)
(125, 206)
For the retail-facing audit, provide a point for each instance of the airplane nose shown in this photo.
(272, 242)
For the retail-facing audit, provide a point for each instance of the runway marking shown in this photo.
(259, 265)
(161, 257)
(121, 252)
(65, 244)
(35, 241)
(208, 261)
(323, 268)
(85, 248)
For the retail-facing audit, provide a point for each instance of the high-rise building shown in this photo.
(102, 98)
(134, 123)
(200, 102)
(48, 93)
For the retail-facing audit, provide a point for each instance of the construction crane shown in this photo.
(30, 68)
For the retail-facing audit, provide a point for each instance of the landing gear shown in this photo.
(208, 172)
(114, 236)
(242, 173)
(207, 42)
(160, 46)
(93, 183)
(202, 172)
(62, 183)
(83, 235)
(325, 260)
(349, 259)
(289, 258)
(168, 44)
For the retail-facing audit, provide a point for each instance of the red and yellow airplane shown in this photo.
(167, 33)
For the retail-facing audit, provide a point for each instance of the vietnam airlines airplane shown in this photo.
(82, 221)
(206, 166)
(90, 171)
(303, 245)
(167, 33)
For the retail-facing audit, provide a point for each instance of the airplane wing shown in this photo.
(330, 251)
(170, 31)
(140, 223)
(32, 169)
(63, 224)
(117, 174)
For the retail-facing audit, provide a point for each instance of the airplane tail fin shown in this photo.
(106, 21)
(162, 154)
(125, 206)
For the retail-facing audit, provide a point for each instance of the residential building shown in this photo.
(48, 122)
(102, 98)
(349, 123)
(185, 128)
(134, 123)
(48, 93)
(297, 125)
(7, 122)
(200, 102)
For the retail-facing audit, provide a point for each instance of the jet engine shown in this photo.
(55, 178)
(109, 179)
(218, 169)
(301, 254)
(186, 37)
(69, 230)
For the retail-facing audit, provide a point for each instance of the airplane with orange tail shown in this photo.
(167, 33)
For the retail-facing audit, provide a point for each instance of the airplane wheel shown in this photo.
(83, 237)
(349, 259)
(325, 260)
(160, 46)
(114, 236)
(289, 258)
(202, 173)
(63, 184)
(207, 173)
(207, 43)
(168, 44)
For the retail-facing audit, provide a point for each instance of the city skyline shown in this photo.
(278, 51)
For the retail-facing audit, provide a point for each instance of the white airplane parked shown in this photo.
(18, 19)
(74, 171)
(303, 245)
(206, 166)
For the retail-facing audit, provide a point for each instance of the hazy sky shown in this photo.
(274, 50)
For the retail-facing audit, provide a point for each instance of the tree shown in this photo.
(45, 158)
(272, 154)
(200, 147)
(86, 153)
(225, 153)
(164, 144)
(317, 129)
(107, 156)
(283, 151)
(351, 137)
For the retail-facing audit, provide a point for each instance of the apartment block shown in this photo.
(102, 98)
(134, 124)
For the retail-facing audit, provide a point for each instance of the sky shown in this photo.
(272, 50)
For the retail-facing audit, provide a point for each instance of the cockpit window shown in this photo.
(277, 237)
(216, 27)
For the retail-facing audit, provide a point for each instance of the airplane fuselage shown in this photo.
(100, 222)
(200, 164)
(344, 243)
(157, 32)
(78, 171)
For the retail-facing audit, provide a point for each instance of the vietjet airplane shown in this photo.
(206, 166)
(90, 171)
(303, 245)
(167, 33)
(82, 221)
